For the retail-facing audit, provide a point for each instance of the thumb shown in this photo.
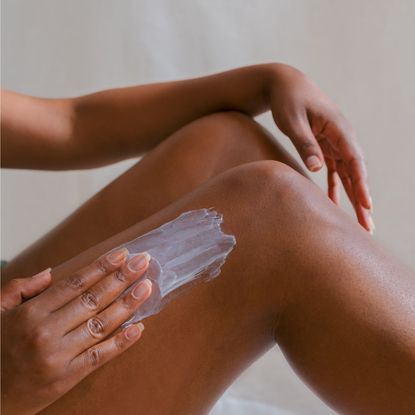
(307, 146)
(20, 289)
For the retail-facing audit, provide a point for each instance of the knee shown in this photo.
(222, 134)
(276, 190)
(266, 179)
(223, 124)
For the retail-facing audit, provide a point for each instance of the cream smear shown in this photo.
(188, 249)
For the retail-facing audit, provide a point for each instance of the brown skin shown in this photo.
(55, 332)
(108, 126)
(302, 246)
(303, 275)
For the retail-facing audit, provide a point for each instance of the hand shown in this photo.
(321, 134)
(56, 334)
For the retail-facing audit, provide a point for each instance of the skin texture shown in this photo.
(303, 274)
(108, 126)
(55, 332)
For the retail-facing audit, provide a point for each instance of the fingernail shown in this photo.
(117, 256)
(370, 205)
(134, 330)
(138, 262)
(314, 163)
(42, 273)
(141, 290)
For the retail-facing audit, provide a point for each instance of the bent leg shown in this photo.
(302, 273)
(192, 155)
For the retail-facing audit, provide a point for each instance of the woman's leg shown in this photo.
(302, 273)
(198, 151)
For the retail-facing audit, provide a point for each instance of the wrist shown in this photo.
(278, 78)
(273, 74)
(280, 72)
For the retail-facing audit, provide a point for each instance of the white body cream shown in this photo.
(190, 248)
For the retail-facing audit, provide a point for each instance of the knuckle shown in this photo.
(102, 265)
(15, 283)
(75, 282)
(307, 146)
(47, 366)
(40, 337)
(93, 357)
(89, 300)
(119, 342)
(25, 314)
(127, 302)
(120, 276)
(96, 327)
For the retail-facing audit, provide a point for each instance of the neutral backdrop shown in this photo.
(362, 53)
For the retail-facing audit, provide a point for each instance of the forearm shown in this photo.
(112, 125)
(36, 133)
(128, 121)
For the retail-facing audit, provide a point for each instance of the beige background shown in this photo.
(362, 53)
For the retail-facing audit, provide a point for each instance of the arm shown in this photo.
(112, 125)
(36, 133)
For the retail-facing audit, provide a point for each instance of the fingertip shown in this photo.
(365, 219)
(313, 163)
(117, 257)
(43, 274)
(334, 197)
(134, 331)
(139, 263)
(43, 278)
(365, 199)
(142, 290)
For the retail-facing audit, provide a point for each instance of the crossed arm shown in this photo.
(112, 125)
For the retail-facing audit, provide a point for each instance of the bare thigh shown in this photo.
(302, 274)
(188, 158)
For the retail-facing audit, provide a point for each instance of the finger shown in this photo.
(103, 324)
(90, 360)
(363, 216)
(332, 181)
(68, 288)
(347, 184)
(342, 136)
(355, 170)
(100, 295)
(306, 144)
(358, 173)
(20, 289)
(333, 187)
